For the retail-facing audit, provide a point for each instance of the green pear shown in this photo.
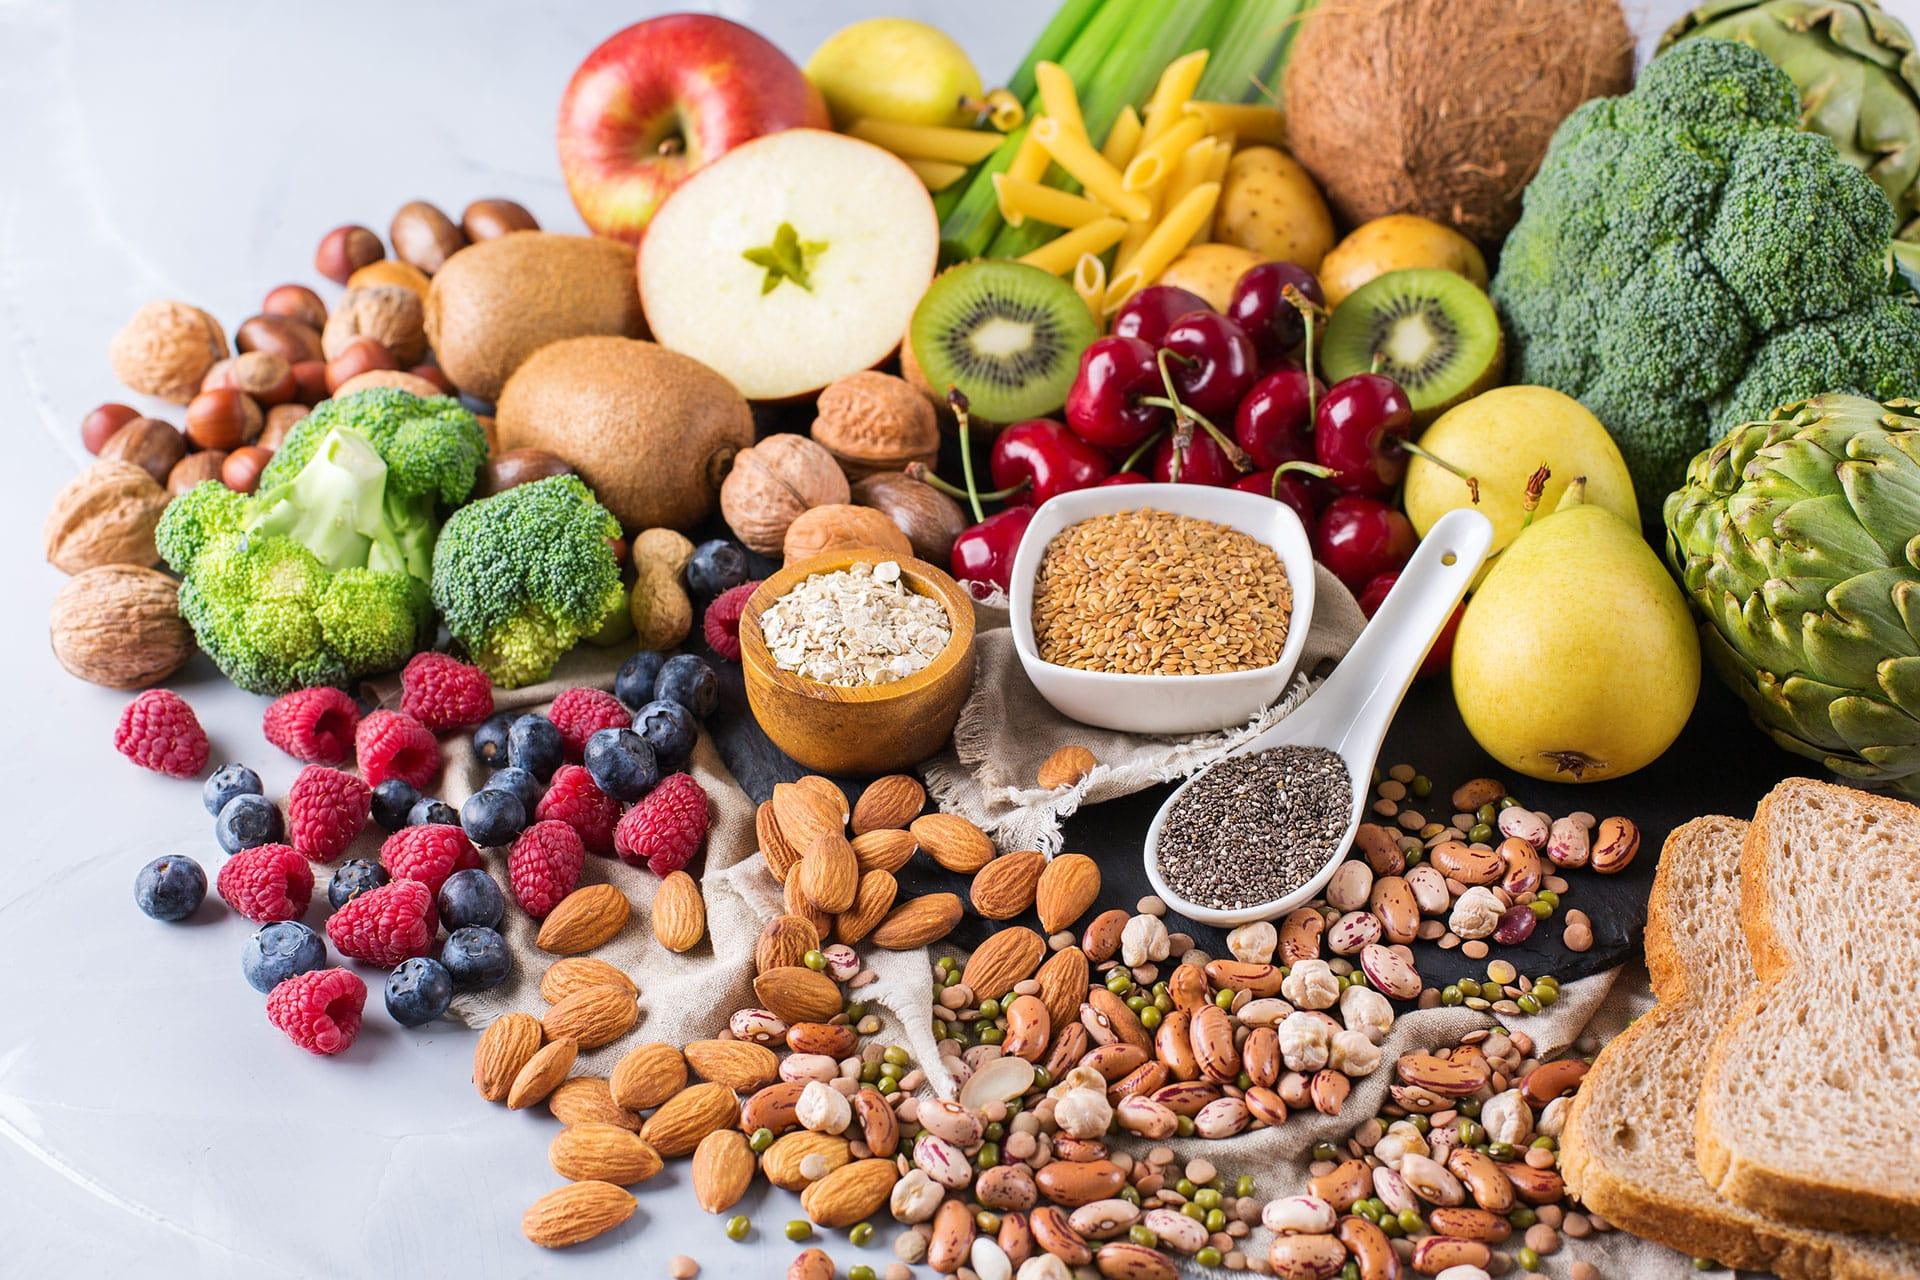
(1576, 660)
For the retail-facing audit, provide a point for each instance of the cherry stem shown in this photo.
(919, 471)
(1140, 450)
(1536, 485)
(1303, 467)
(957, 401)
(1185, 415)
(1310, 311)
(1473, 482)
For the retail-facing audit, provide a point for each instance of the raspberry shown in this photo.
(573, 798)
(266, 883)
(721, 622)
(326, 809)
(159, 731)
(580, 713)
(428, 853)
(392, 744)
(544, 866)
(386, 925)
(319, 1009)
(315, 725)
(667, 828)
(444, 693)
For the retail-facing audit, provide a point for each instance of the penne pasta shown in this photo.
(1165, 242)
(1253, 123)
(1155, 161)
(1061, 254)
(1058, 98)
(1029, 159)
(1076, 155)
(1020, 200)
(1189, 172)
(937, 174)
(1123, 139)
(1171, 95)
(927, 141)
(1090, 282)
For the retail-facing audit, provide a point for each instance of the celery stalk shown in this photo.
(1249, 50)
(1052, 44)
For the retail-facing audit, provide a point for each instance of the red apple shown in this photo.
(660, 99)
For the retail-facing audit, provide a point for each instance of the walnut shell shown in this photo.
(119, 625)
(871, 421)
(166, 349)
(773, 483)
(841, 526)
(105, 515)
(930, 519)
(391, 315)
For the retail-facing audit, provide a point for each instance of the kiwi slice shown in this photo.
(1433, 332)
(1008, 335)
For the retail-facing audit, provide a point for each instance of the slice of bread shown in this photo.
(1810, 1106)
(1627, 1149)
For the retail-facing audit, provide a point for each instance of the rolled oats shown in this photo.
(856, 626)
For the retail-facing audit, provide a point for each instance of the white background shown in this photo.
(150, 1117)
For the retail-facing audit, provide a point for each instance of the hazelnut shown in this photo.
(166, 349)
(518, 466)
(223, 418)
(292, 339)
(871, 421)
(486, 219)
(434, 374)
(280, 419)
(311, 377)
(408, 382)
(388, 313)
(296, 302)
(221, 375)
(266, 377)
(150, 444)
(344, 250)
(839, 526)
(356, 359)
(389, 272)
(930, 519)
(241, 471)
(119, 625)
(102, 421)
(423, 237)
(773, 483)
(105, 515)
(194, 468)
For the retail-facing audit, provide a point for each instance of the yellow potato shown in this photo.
(1270, 205)
(1394, 243)
(1211, 270)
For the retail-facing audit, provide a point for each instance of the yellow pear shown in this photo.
(1576, 660)
(895, 69)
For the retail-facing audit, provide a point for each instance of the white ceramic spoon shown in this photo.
(1349, 714)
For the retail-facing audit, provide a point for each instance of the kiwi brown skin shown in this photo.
(1070, 322)
(1456, 309)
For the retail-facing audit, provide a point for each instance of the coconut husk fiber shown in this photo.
(1444, 108)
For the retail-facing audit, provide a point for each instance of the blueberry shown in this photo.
(228, 781)
(523, 785)
(493, 818)
(533, 744)
(476, 957)
(633, 684)
(471, 897)
(490, 739)
(621, 763)
(715, 567)
(670, 730)
(353, 878)
(170, 888)
(418, 991)
(689, 681)
(392, 801)
(279, 951)
(247, 821)
(431, 811)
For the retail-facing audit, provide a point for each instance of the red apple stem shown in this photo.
(957, 401)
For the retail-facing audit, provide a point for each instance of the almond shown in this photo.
(781, 1161)
(602, 1153)
(564, 977)
(647, 1076)
(542, 1074)
(1005, 887)
(589, 1100)
(1063, 985)
(508, 1044)
(593, 1017)
(679, 912)
(784, 940)
(1065, 767)
(849, 1193)
(829, 873)
(576, 1212)
(795, 993)
(953, 842)
(803, 814)
(871, 902)
(722, 1170)
(1006, 957)
(737, 1064)
(885, 850)
(774, 848)
(584, 919)
(917, 922)
(688, 1116)
(796, 903)
(829, 792)
(888, 803)
(1068, 886)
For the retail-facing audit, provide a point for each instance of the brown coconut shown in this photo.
(1444, 108)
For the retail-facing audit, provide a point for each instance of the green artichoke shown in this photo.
(1798, 541)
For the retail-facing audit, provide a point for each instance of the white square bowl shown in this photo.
(1157, 704)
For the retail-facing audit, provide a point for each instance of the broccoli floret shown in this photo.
(523, 576)
(1688, 259)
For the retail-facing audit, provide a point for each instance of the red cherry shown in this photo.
(1103, 405)
(1212, 362)
(1202, 462)
(1374, 594)
(984, 553)
(1359, 538)
(1294, 490)
(1151, 311)
(1260, 306)
(1122, 477)
(1356, 430)
(1275, 420)
(1050, 457)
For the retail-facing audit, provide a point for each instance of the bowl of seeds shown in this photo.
(1162, 608)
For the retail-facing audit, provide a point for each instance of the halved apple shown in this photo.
(790, 261)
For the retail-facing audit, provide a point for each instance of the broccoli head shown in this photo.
(1687, 259)
(523, 576)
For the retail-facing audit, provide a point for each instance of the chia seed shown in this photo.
(1256, 827)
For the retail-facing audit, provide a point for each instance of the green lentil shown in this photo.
(1411, 1221)
(760, 1141)
(860, 1271)
(799, 1229)
(1216, 1220)
(1351, 1271)
(1527, 1259)
(856, 1010)
(992, 1035)
(1243, 1185)
(1142, 1236)
(988, 1155)
(1208, 1256)
(1131, 1194)
(738, 1226)
(859, 1235)
(1325, 1151)
(1149, 1016)
(1184, 1126)
(987, 1220)
(814, 960)
(1421, 786)
(989, 1009)
(1522, 1218)
(1418, 1121)
(1207, 1198)
(1528, 1004)
(1119, 982)
(1470, 1133)
(1549, 897)
(1705, 1264)
(1136, 1002)
(1470, 1107)
(1544, 996)
(1541, 910)
(1224, 997)
(1451, 995)
(1502, 1150)
(1042, 1078)
(1194, 1211)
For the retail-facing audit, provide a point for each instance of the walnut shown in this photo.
(166, 349)
(389, 314)
(930, 519)
(105, 515)
(119, 625)
(841, 526)
(772, 483)
(872, 421)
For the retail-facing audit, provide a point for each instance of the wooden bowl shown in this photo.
(864, 729)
